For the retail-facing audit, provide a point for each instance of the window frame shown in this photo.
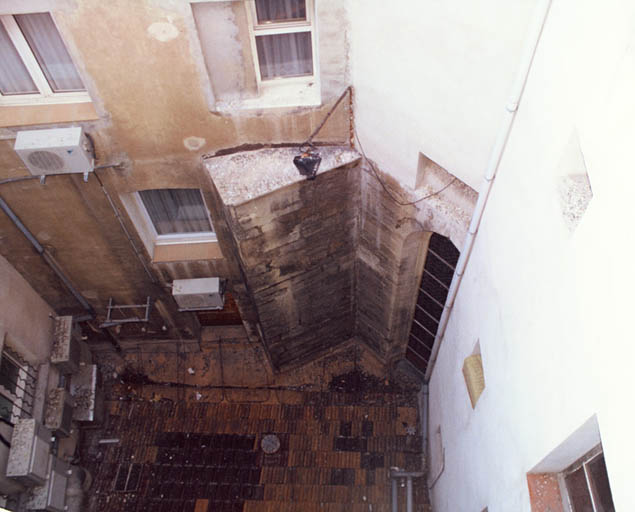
(582, 463)
(175, 238)
(20, 405)
(46, 95)
(282, 27)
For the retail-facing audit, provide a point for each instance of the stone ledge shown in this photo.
(244, 176)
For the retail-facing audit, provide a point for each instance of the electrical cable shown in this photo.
(309, 141)
(381, 182)
(19, 178)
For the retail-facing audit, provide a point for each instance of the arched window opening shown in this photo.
(438, 270)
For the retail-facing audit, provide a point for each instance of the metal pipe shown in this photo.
(115, 210)
(490, 173)
(64, 278)
(395, 502)
(396, 473)
(18, 223)
(424, 422)
(19, 178)
(52, 263)
(45, 255)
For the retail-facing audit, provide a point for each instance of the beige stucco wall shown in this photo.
(24, 316)
(153, 109)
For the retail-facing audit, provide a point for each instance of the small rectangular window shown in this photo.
(14, 77)
(285, 55)
(176, 211)
(17, 388)
(35, 66)
(9, 374)
(283, 39)
(272, 11)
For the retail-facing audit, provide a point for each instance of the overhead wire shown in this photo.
(309, 143)
(385, 187)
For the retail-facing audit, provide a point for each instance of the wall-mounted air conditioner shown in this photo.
(29, 453)
(55, 151)
(51, 496)
(58, 413)
(199, 294)
(88, 400)
(66, 350)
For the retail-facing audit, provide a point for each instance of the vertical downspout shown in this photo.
(425, 410)
(495, 158)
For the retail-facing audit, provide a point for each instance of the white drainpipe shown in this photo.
(495, 158)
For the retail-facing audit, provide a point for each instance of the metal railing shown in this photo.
(17, 389)
(398, 476)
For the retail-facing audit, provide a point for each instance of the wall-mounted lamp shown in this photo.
(308, 161)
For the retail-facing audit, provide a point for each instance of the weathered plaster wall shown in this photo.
(551, 308)
(436, 73)
(25, 319)
(144, 69)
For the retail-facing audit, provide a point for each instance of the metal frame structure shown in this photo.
(112, 322)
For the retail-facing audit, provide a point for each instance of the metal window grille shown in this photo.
(17, 387)
(438, 270)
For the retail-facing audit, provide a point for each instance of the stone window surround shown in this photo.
(167, 248)
(44, 112)
(277, 93)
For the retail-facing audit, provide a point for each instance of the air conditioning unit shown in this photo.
(58, 413)
(88, 399)
(199, 294)
(29, 453)
(55, 151)
(51, 496)
(66, 350)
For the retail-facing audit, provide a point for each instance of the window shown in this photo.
(587, 484)
(177, 215)
(283, 39)
(17, 387)
(35, 66)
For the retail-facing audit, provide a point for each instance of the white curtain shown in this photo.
(50, 52)
(280, 10)
(281, 55)
(175, 210)
(14, 78)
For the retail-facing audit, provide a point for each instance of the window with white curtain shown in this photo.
(283, 39)
(177, 214)
(35, 66)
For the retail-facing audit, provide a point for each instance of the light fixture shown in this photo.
(308, 161)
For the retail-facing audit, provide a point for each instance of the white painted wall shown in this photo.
(552, 310)
(24, 317)
(432, 76)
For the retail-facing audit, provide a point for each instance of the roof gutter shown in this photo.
(488, 180)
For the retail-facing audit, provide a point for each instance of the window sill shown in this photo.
(186, 251)
(278, 94)
(46, 114)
